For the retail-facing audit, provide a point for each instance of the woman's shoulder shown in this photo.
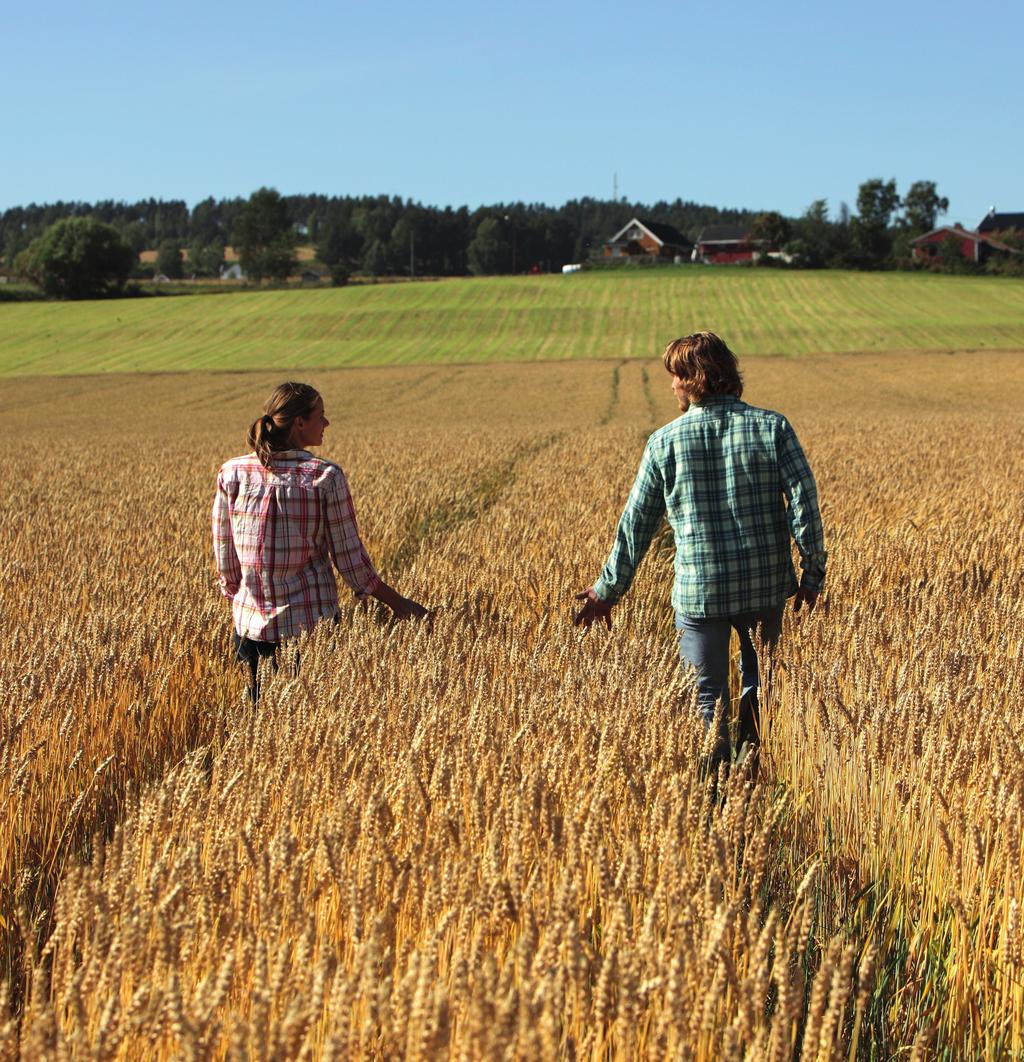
(318, 469)
(240, 465)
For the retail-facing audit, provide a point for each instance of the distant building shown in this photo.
(992, 223)
(643, 239)
(974, 246)
(231, 272)
(727, 245)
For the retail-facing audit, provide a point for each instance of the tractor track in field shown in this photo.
(652, 407)
(467, 506)
(614, 395)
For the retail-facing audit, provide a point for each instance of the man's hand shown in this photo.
(805, 597)
(594, 608)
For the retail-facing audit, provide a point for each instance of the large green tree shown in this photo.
(376, 262)
(488, 252)
(78, 258)
(922, 205)
(264, 237)
(339, 244)
(876, 202)
(169, 260)
(204, 224)
(771, 227)
(205, 259)
(813, 239)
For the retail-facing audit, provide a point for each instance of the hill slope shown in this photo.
(514, 318)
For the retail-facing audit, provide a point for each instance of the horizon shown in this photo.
(942, 221)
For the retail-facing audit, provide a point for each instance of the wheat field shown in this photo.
(485, 836)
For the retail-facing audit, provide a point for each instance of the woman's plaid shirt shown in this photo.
(723, 474)
(276, 533)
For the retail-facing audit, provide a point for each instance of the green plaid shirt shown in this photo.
(723, 473)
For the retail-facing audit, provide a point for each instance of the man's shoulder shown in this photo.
(693, 421)
(757, 413)
(667, 431)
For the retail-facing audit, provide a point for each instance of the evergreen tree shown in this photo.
(169, 261)
(488, 253)
(264, 237)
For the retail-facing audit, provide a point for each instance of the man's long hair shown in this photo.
(705, 364)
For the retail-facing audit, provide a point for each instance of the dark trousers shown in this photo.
(704, 645)
(249, 652)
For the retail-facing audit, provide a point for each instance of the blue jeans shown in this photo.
(704, 645)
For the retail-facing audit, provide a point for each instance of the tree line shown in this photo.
(374, 235)
(382, 235)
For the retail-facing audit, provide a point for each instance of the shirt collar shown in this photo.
(713, 402)
(290, 454)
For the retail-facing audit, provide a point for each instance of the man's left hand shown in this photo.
(805, 597)
(593, 609)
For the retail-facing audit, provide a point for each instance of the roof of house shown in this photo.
(993, 222)
(725, 234)
(978, 237)
(664, 234)
(955, 230)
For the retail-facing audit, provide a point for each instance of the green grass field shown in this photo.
(518, 318)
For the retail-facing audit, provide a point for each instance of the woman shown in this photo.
(281, 517)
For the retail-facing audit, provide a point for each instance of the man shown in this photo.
(735, 486)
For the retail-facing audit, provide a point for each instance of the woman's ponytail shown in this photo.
(261, 438)
(270, 432)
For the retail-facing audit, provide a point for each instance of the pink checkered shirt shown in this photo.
(276, 533)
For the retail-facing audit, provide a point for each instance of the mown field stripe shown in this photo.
(515, 319)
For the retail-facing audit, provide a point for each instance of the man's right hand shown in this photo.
(593, 608)
(805, 597)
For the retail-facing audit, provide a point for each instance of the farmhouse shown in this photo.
(992, 223)
(726, 245)
(642, 239)
(974, 246)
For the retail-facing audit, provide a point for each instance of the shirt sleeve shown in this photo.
(228, 567)
(640, 519)
(347, 551)
(803, 514)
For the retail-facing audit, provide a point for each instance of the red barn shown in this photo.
(727, 245)
(974, 246)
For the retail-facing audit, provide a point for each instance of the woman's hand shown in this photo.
(409, 609)
(402, 607)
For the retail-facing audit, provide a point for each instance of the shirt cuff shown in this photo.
(812, 582)
(372, 587)
(605, 592)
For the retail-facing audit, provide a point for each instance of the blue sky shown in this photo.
(766, 106)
